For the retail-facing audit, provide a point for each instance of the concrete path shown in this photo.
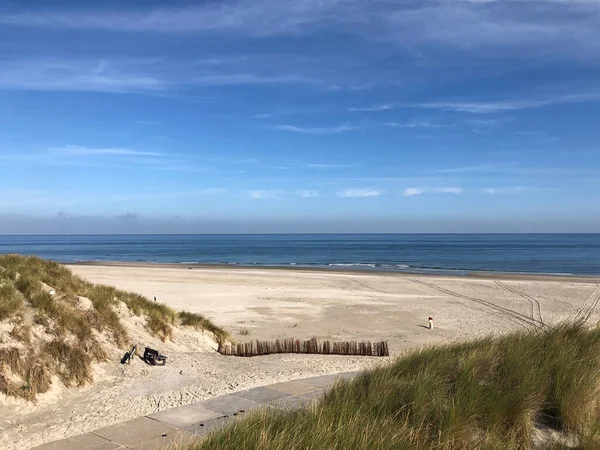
(179, 425)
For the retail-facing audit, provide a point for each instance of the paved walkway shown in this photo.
(184, 423)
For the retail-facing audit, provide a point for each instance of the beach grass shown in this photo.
(71, 313)
(494, 393)
(11, 301)
(200, 322)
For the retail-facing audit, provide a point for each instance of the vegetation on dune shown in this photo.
(46, 296)
(488, 394)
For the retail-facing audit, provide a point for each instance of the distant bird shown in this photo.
(431, 323)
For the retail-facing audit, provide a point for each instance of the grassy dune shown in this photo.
(52, 333)
(505, 393)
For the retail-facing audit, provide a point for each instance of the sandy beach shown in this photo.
(256, 303)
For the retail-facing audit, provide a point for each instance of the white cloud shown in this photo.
(372, 108)
(260, 18)
(75, 150)
(515, 190)
(478, 168)
(261, 194)
(563, 29)
(363, 193)
(78, 75)
(413, 191)
(317, 130)
(417, 124)
(309, 193)
(409, 192)
(500, 106)
(233, 79)
(328, 166)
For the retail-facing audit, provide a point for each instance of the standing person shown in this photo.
(431, 323)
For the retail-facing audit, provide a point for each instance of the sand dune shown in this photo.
(272, 303)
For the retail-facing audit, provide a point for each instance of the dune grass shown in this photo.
(73, 327)
(487, 394)
(11, 301)
(200, 322)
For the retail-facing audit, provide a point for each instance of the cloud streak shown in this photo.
(570, 27)
(409, 192)
(309, 193)
(77, 75)
(75, 150)
(514, 190)
(262, 194)
(360, 193)
(317, 130)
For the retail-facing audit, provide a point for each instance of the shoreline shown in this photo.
(434, 273)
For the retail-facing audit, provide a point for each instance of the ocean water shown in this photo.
(574, 254)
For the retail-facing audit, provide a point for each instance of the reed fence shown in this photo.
(311, 346)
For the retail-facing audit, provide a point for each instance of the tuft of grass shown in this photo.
(28, 285)
(74, 364)
(488, 394)
(11, 301)
(245, 332)
(12, 359)
(200, 322)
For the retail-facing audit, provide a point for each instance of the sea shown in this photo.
(459, 254)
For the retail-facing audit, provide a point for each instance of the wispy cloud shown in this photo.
(309, 193)
(249, 79)
(261, 194)
(417, 124)
(75, 150)
(409, 192)
(371, 108)
(515, 190)
(571, 26)
(77, 75)
(361, 193)
(260, 18)
(317, 130)
(478, 168)
(328, 166)
(263, 116)
(499, 106)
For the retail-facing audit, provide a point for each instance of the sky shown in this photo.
(299, 116)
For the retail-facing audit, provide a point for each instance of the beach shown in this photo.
(261, 303)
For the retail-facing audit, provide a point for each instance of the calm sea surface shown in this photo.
(577, 254)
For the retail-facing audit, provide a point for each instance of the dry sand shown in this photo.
(274, 303)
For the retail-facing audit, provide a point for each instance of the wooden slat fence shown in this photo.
(311, 346)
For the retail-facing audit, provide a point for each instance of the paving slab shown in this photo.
(314, 395)
(83, 441)
(185, 416)
(230, 404)
(211, 425)
(180, 437)
(325, 381)
(133, 431)
(294, 387)
(262, 395)
(288, 403)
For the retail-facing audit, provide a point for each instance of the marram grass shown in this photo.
(487, 394)
(26, 302)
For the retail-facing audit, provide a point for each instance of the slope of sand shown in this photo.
(273, 303)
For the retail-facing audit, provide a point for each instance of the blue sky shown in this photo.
(305, 115)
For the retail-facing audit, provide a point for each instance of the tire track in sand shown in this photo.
(521, 319)
(536, 308)
(581, 314)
